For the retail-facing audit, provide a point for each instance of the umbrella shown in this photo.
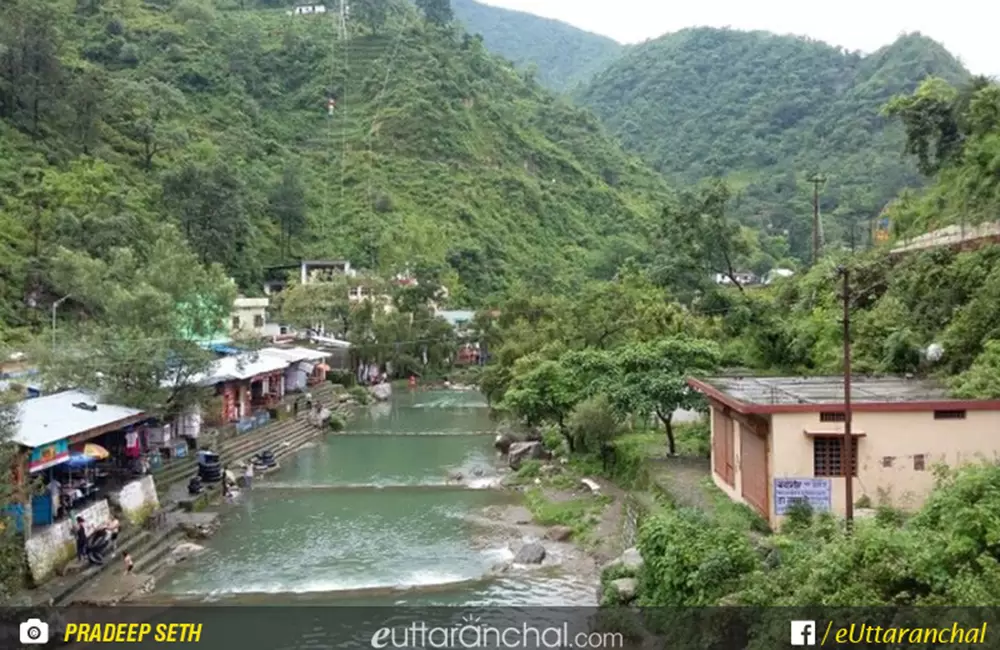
(79, 460)
(96, 452)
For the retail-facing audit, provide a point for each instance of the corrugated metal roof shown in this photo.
(242, 366)
(294, 355)
(46, 419)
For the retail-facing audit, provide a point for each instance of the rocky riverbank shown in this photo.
(564, 520)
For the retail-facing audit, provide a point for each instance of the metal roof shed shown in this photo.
(50, 418)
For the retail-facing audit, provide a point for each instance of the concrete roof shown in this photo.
(43, 420)
(242, 366)
(777, 394)
(294, 355)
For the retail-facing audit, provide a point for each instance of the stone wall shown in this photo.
(51, 547)
(137, 500)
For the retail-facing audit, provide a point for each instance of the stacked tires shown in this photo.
(267, 459)
(210, 468)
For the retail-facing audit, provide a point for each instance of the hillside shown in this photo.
(437, 153)
(563, 55)
(767, 112)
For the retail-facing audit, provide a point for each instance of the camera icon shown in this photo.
(34, 631)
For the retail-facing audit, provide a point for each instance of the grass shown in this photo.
(580, 514)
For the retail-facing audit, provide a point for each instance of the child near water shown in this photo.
(129, 565)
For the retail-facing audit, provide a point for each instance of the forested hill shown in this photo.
(120, 116)
(767, 112)
(563, 55)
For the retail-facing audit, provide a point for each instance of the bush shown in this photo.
(343, 378)
(694, 438)
(360, 394)
(336, 422)
(593, 423)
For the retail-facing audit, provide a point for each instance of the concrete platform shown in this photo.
(115, 586)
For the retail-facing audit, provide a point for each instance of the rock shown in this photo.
(530, 553)
(343, 398)
(631, 559)
(591, 485)
(502, 442)
(522, 451)
(559, 533)
(381, 392)
(564, 461)
(184, 551)
(549, 470)
(625, 589)
(478, 471)
(456, 476)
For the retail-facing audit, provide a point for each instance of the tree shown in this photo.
(11, 544)
(651, 378)
(544, 391)
(370, 12)
(700, 241)
(148, 314)
(287, 203)
(318, 303)
(437, 12)
(929, 115)
(146, 113)
(210, 204)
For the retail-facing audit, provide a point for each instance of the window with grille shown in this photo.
(827, 456)
(949, 415)
(258, 321)
(832, 416)
(236, 322)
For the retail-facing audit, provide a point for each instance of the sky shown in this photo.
(864, 25)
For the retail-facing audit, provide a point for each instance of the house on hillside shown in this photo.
(776, 440)
(249, 316)
(307, 10)
(306, 271)
(745, 278)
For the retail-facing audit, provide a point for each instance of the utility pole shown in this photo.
(55, 306)
(816, 180)
(847, 449)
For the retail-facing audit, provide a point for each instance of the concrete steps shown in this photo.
(156, 554)
(134, 541)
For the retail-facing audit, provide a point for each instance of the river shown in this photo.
(369, 517)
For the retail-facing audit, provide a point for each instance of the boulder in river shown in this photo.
(559, 533)
(184, 551)
(522, 451)
(530, 553)
(382, 392)
(456, 476)
(503, 442)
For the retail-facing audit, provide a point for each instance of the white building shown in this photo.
(305, 10)
(249, 316)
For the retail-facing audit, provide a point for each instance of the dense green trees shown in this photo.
(114, 118)
(766, 112)
(562, 55)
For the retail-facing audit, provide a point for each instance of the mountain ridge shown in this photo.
(766, 112)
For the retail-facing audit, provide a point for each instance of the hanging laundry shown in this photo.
(132, 445)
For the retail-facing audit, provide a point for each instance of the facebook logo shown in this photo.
(803, 632)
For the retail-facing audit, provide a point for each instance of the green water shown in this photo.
(369, 517)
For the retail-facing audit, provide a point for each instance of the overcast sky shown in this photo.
(962, 26)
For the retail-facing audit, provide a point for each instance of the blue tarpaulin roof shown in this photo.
(222, 348)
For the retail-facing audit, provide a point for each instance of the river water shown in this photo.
(369, 517)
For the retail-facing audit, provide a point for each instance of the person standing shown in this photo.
(129, 565)
(81, 539)
(248, 475)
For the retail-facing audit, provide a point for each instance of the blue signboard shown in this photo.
(48, 455)
(817, 492)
